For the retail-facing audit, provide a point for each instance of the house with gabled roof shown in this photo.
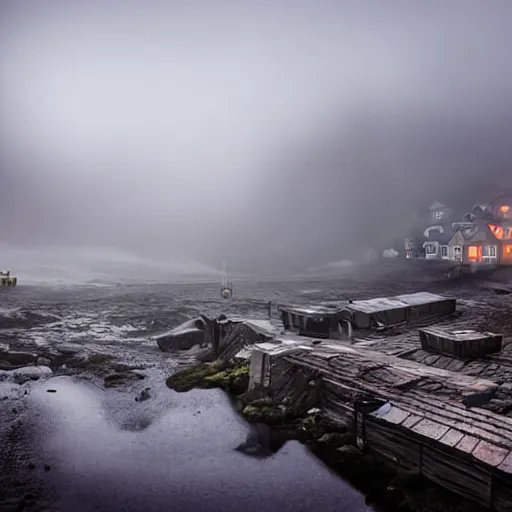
(483, 242)
(482, 236)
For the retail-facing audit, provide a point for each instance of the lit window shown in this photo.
(505, 209)
(508, 249)
(497, 231)
(472, 252)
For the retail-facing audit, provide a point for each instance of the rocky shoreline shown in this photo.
(386, 487)
(21, 366)
(22, 481)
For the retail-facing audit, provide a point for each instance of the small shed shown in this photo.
(463, 344)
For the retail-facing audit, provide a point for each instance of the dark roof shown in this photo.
(483, 233)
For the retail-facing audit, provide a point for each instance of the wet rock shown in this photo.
(205, 355)
(69, 349)
(120, 379)
(193, 377)
(22, 375)
(16, 358)
(143, 395)
(234, 380)
(269, 414)
(187, 335)
(94, 363)
(43, 361)
(4, 365)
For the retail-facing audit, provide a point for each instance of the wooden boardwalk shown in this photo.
(444, 417)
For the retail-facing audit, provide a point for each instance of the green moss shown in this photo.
(234, 379)
(262, 402)
(269, 414)
(193, 377)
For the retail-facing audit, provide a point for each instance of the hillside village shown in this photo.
(482, 235)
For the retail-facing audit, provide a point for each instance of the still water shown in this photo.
(173, 452)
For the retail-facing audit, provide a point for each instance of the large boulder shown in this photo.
(197, 331)
(27, 373)
(18, 358)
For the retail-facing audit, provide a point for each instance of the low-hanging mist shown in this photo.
(279, 136)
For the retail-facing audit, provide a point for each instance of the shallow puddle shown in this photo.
(193, 453)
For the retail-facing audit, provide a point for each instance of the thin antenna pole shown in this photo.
(224, 275)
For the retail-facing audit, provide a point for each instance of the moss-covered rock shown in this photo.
(193, 377)
(233, 379)
(268, 414)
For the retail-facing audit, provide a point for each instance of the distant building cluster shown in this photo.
(481, 236)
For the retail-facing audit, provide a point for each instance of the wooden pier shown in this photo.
(432, 399)
(423, 418)
(415, 377)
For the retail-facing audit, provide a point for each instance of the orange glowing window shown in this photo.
(497, 231)
(508, 249)
(472, 252)
(505, 209)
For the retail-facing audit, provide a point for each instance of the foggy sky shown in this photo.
(277, 135)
